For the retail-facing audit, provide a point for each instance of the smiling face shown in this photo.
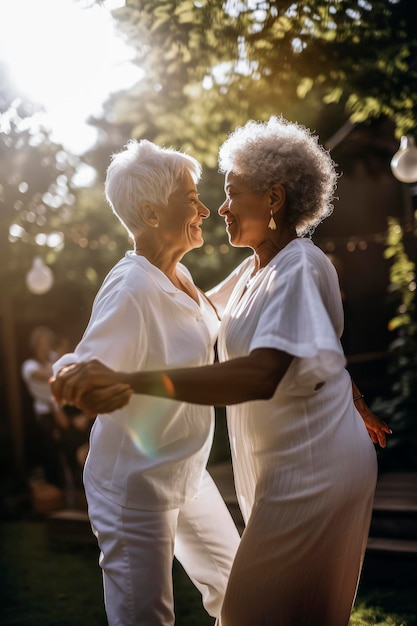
(180, 223)
(245, 212)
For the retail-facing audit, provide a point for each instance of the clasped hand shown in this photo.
(91, 386)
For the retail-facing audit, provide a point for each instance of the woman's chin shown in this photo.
(234, 241)
(197, 239)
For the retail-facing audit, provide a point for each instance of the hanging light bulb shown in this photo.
(39, 278)
(404, 161)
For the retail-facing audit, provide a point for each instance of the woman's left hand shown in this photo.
(376, 427)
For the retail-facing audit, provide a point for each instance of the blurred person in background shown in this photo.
(60, 432)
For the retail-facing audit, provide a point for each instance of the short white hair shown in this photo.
(279, 151)
(144, 172)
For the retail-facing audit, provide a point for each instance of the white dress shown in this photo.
(304, 465)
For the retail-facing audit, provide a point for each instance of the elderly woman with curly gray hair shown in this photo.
(304, 465)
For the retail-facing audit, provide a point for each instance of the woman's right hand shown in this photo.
(90, 385)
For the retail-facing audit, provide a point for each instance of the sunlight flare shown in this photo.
(67, 58)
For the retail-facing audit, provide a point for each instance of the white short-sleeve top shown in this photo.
(293, 304)
(305, 430)
(151, 454)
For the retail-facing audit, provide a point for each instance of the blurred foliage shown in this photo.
(44, 213)
(210, 65)
(400, 407)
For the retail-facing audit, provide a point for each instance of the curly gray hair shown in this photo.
(279, 151)
(144, 172)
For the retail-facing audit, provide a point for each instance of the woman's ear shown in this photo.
(148, 214)
(276, 197)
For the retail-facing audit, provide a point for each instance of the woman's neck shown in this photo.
(269, 248)
(157, 254)
(167, 263)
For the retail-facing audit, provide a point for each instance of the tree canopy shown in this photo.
(209, 66)
(212, 64)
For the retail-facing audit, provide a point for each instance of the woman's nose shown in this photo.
(222, 208)
(205, 211)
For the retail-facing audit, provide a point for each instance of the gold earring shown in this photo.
(156, 225)
(272, 225)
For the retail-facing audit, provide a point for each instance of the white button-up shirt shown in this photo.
(151, 454)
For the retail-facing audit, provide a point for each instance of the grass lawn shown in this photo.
(42, 585)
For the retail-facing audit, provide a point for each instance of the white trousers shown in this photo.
(138, 547)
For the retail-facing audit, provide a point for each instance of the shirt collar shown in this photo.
(158, 276)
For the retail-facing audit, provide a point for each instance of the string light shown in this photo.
(39, 278)
(358, 242)
(404, 161)
(351, 244)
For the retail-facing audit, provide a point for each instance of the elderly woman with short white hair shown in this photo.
(148, 491)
